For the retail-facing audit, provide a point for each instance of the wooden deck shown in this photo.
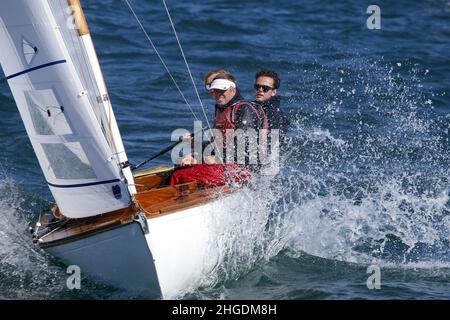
(155, 197)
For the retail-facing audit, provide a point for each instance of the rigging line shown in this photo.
(160, 58)
(185, 61)
(196, 91)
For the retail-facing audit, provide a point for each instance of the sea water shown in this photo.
(364, 181)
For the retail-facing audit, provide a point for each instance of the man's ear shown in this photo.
(274, 92)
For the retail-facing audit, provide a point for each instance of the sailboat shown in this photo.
(129, 230)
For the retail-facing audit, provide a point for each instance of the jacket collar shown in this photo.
(273, 102)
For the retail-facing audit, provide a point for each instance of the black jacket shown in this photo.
(276, 117)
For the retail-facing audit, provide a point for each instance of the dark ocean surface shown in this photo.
(365, 177)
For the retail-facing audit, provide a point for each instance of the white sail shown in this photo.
(78, 40)
(80, 162)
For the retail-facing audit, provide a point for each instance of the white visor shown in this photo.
(222, 84)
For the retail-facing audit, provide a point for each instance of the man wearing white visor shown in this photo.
(232, 111)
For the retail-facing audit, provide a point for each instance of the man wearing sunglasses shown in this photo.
(266, 87)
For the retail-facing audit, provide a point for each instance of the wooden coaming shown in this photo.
(71, 229)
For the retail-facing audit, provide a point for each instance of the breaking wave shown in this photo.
(359, 184)
(25, 272)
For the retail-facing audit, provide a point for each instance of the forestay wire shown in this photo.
(187, 64)
(190, 74)
(227, 173)
(161, 59)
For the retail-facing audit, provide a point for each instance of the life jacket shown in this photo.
(226, 119)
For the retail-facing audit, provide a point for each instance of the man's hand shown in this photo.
(188, 160)
(187, 137)
(211, 160)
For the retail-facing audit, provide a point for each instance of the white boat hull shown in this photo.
(171, 259)
(119, 257)
(182, 248)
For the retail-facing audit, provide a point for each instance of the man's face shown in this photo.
(264, 89)
(222, 97)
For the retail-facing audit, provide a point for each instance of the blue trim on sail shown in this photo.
(35, 68)
(83, 184)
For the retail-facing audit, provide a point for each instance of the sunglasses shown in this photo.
(263, 87)
(208, 86)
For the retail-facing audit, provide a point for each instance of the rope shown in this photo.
(227, 173)
(190, 74)
(160, 58)
(186, 63)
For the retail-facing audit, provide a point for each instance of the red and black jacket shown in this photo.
(240, 114)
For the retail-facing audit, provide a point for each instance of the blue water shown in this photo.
(365, 178)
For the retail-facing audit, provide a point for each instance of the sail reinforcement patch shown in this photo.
(29, 51)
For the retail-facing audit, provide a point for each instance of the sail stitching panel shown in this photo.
(35, 68)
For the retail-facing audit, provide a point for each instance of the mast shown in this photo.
(113, 130)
